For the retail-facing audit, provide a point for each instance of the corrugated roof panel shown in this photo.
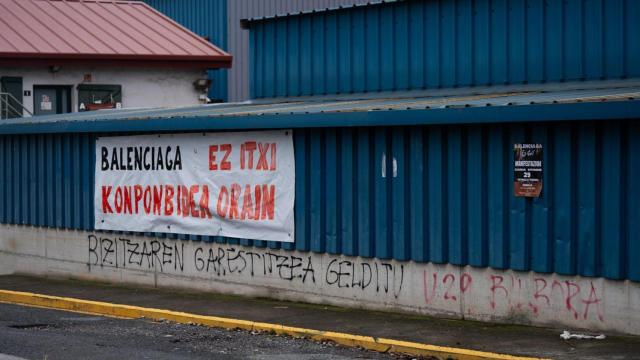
(58, 29)
(429, 103)
(61, 30)
(319, 6)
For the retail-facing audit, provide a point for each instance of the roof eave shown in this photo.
(157, 61)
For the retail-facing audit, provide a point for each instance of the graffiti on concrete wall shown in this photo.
(582, 300)
(227, 260)
(424, 288)
(487, 291)
(121, 252)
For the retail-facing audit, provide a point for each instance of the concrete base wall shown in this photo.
(153, 87)
(451, 291)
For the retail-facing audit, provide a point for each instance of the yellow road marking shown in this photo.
(135, 312)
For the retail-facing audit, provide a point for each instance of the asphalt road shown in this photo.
(35, 333)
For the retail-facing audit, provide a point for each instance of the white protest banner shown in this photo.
(234, 184)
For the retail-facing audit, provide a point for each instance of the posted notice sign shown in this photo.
(527, 170)
(239, 185)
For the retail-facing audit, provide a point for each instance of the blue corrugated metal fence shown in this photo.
(431, 193)
(425, 44)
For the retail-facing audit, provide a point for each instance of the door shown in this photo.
(13, 86)
(49, 100)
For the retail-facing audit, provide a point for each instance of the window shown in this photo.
(96, 97)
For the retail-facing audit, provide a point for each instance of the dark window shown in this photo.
(96, 97)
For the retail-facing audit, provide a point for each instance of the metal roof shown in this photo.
(620, 100)
(310, 9)
(101, 31)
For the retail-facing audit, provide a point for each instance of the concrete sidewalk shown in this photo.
(506, 339)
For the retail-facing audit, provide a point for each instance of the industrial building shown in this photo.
(66, 56)
(464, 159)
(220, 22)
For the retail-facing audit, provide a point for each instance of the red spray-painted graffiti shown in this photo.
(582, 300)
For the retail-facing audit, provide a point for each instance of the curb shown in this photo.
(135, 312)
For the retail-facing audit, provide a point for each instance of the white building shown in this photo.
(58, 57)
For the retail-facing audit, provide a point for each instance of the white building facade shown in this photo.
(76, 88)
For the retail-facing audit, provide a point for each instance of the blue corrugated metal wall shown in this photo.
(450, 200)
(424, 44)
(239, 38)
(205, 18)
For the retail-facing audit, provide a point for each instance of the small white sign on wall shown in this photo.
(45, 104)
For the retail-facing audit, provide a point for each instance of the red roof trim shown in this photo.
(150, 63)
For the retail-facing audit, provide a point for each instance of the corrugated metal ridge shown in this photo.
(509, 96)
(451, 115)
(463, 91)
(245, 22)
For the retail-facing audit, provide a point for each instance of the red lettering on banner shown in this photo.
(242, 156)
(192, 201)
(225, 164)
(118, 200)
(223, 202)
(147, 201)
(157, 199)
(179, 201)
(235, 194)
(263, 149)
(204, 203)
(247, 204)
(137, 195)
(213, 149)
(258, 194)
(253, 202)
(168, 200)
(183, 200)
(259, 205)
(273, 157)
(268, 201)
(106, 208)
(250, 148)
(127, 200)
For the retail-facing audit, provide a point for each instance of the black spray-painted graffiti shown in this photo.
(123, 252)
(349, 274)
(169, 256)
(231, 260)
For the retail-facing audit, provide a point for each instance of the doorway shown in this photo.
(51, 99)
(13, 106)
